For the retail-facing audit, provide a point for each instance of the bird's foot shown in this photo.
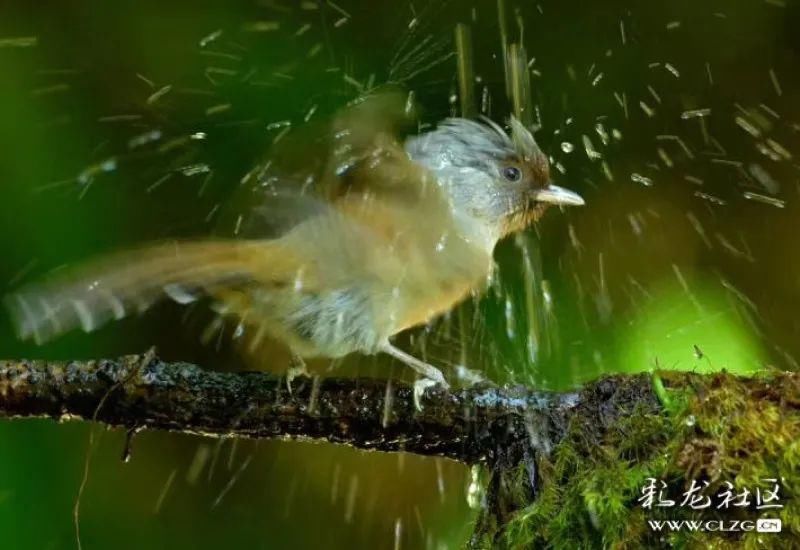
(297, 367)
(419, 390)
(432, 375)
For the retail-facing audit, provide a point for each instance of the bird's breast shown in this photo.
(441, 285)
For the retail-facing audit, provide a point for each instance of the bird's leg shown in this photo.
(297, 367)
(432, 375)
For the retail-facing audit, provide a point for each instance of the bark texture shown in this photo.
(135, 392)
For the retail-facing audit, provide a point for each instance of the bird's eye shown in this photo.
(512, 173)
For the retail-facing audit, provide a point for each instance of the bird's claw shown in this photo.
(431, 375)
(297, 367)
(423, 384)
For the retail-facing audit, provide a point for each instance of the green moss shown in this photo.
(719, 428)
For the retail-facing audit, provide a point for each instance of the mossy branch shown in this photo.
(565, 470)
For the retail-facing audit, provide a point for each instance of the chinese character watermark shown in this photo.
(654, 494)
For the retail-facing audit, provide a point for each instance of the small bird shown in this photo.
(396, 232)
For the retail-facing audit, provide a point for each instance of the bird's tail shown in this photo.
(130, 282)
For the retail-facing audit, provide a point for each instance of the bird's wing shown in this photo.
(356, 153)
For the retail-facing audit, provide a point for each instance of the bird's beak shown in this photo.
(554, 194)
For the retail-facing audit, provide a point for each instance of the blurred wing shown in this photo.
(367, 156)
(356, 153)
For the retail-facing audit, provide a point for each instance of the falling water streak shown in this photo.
(462, 335)
(261, 26)
(664, 157)
(537, 343)
(693, 179)
(741, 296)
(337, 474)
(603, 298)
(624, 104)
(654, 94)
(730, 248)
(119, 118)
(695, 113)
(440, 479)
(350, 504)
(419, 522)
(314, 397)
(669, 67)
(291, 493)
(388, 400)
(158, 94)
(19, 42)
(214, 458)
(747, 126)
(323, 17)
(398, 533)
(636, 228)
(466, 76)
(199, 462)
(232, 454)
(406, 37)
(646, 109)
(764, 178)
(519, 91)
(698, 227)
(511, 328)
(685, 148)
(416, 54)
(519, 83)
(232, 481)
(503, 27)
(757, 197)
(779, 149)
(588, 147)
(685, 285)
(163, 494)
(775, 84)
(644, 180)
(22, 272)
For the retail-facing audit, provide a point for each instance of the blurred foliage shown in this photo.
(666, 334)
(643, 273)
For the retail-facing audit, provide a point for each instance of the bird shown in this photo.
(397, 231)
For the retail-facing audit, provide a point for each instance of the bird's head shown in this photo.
(498, 178)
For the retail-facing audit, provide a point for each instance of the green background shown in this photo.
(641, 276)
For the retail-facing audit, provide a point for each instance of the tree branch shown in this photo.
(142, 392)
(565, 470)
